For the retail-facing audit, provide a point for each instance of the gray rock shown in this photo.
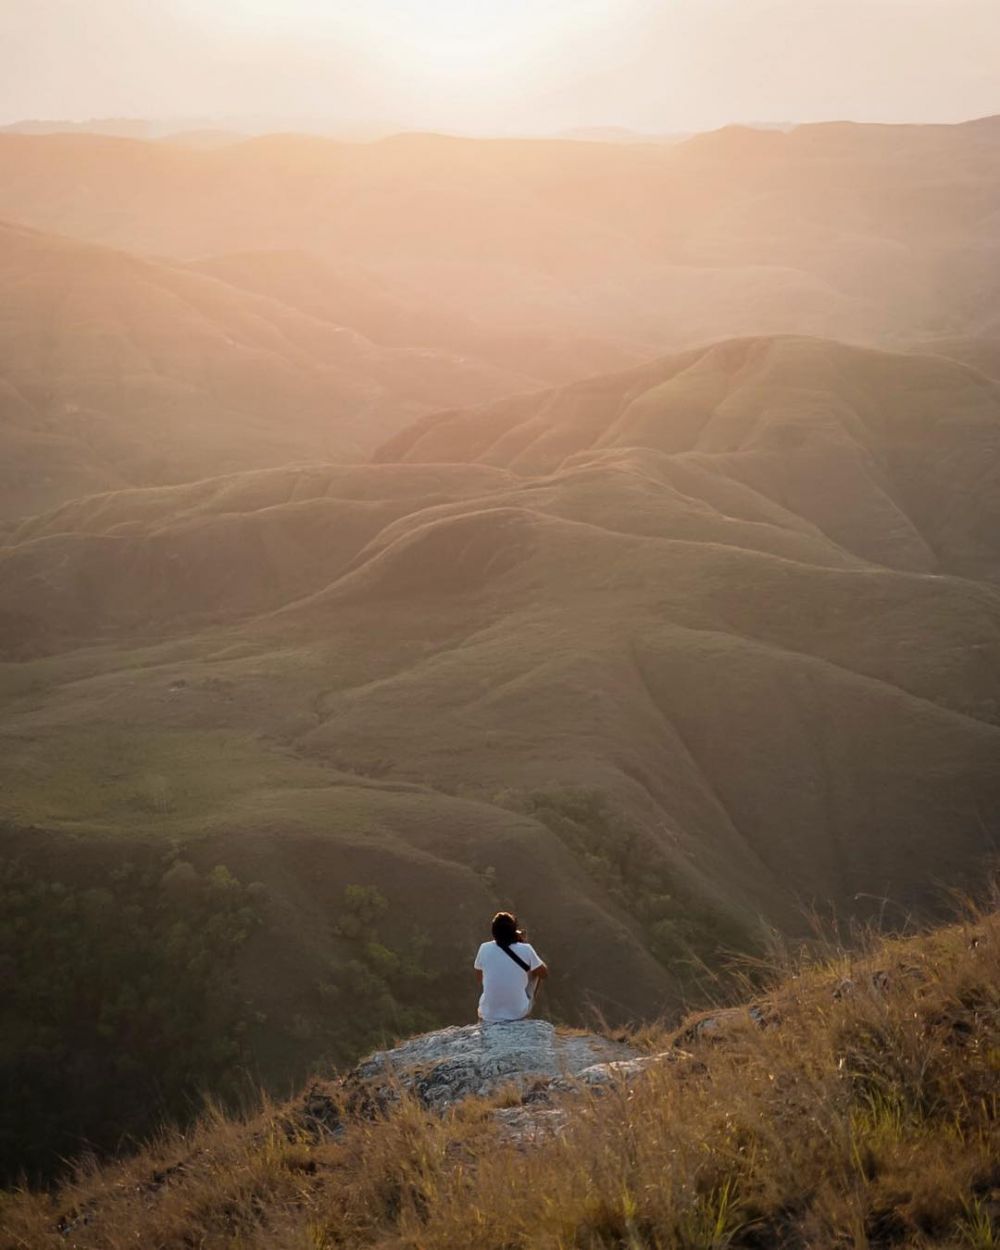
(526, 1126)
(479, 1059)
(622, 1070)
(616, 1072)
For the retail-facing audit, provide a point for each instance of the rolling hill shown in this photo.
(893, 457)
(119, 371)
(653, 658)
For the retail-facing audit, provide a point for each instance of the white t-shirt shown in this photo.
(505, 985)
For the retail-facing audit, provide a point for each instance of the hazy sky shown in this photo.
(502, 65)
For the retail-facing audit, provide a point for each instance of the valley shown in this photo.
(617, 539)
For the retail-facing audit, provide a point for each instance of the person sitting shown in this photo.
(509, 970)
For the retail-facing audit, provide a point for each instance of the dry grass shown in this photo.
(864, 1115)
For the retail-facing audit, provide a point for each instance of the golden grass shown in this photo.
(865, 1115)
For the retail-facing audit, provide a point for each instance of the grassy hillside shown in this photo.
(891, 457)
(117, 371)
(864, 1114)
(862, 232)
(700, 645)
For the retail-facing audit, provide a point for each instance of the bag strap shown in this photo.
(516, 958)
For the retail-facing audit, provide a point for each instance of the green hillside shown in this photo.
(654, 659)
(892, 457)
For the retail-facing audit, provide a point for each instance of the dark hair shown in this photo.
(505, 930)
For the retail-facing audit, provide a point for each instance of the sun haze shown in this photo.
(460, 456)
(473, 65)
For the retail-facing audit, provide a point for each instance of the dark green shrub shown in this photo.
(118, 1007)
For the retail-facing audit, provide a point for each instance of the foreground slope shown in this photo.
(854, 1105)
(119, 371)
(702, 645)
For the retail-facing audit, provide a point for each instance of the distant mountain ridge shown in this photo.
(869, 233)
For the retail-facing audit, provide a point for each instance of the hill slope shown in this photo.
(892, 457)
(704, 644)
(118, 371)
(397, 313)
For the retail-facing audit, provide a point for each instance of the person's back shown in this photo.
(509, 970)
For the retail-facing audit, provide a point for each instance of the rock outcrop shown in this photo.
(479, 1059)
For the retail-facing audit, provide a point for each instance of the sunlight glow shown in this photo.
(500, 66)
(454, 37)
